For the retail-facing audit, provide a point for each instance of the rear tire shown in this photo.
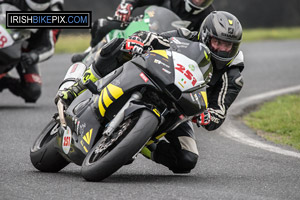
(43, 153)
(135, 132)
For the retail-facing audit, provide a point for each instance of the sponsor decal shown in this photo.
(74, 68)
(162, 53)
(196, 97)
(167, 71)
(192, 67)
(147, 55)
(186, 73)
(161, 63)
(180, 84)
(66, 142)
(144, 77)
(87, 137)
(85, 149)
(192, 97)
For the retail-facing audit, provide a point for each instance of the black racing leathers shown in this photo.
(177, 6)
(41, 43)
(225, 84)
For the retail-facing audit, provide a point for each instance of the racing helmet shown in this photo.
(38, 5)
(224, 28)
(196, 6)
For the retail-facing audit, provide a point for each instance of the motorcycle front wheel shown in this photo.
(43, 153)
(111, 152)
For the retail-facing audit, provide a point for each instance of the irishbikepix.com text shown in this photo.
(48, 19)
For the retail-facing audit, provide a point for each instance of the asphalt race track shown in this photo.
(226, 169)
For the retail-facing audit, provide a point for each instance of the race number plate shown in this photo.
(5, 38)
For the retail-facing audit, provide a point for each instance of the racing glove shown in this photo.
(123, 12)
(134, 45)
(202, 119)
(29, 58)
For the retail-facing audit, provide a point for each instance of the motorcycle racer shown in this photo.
(38, 48)
(193, 14)
(221, 32)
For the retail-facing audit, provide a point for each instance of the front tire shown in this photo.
(43, 154)
(133, 135)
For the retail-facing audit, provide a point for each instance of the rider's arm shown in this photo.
(222, 95)
(153, 40)
(181, 32)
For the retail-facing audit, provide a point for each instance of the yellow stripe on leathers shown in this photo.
(163, 53)
(115, 91)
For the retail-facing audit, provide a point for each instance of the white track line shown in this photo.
(232, 132)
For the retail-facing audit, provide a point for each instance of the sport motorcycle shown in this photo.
(132, 107)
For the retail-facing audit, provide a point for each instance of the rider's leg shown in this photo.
(100, 28)
(29, 87)
(180, 154)
(7, 81)
(108, 60)
(69, 94)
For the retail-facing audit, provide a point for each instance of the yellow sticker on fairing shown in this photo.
(163, 53)
(88, 136)
(105, 100)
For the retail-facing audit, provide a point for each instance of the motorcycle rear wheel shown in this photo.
(134, 133)
(43, 154)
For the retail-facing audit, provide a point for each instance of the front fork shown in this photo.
(117, 120)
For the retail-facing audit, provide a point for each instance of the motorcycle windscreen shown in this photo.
(160, 19)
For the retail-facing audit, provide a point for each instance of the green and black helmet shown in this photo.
(223, 26)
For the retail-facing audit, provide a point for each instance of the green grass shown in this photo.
(69, 43)
(271, 34)
(278, 121)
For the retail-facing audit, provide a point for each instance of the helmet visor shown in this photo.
(224, 50)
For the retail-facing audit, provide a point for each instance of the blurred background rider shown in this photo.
(38, 48)
(193, 12)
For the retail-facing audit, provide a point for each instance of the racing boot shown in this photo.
(147, 151)
(68, 95)
(6, 82)
(30, 86)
